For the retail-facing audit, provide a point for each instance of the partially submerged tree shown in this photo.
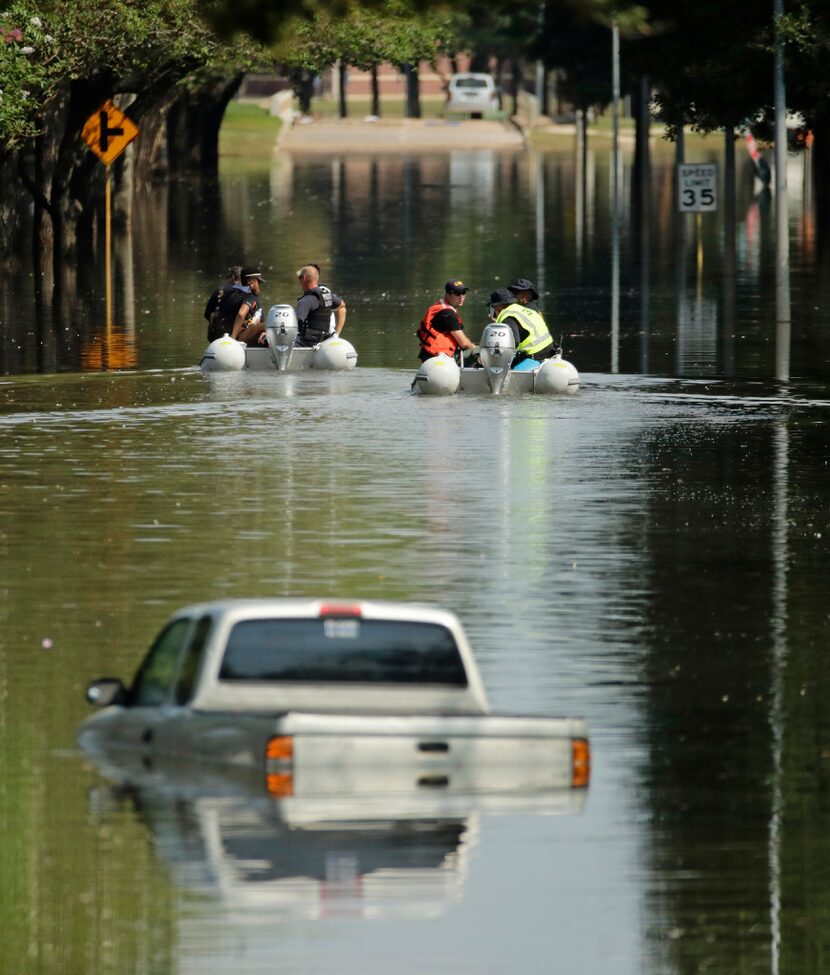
(61, 59)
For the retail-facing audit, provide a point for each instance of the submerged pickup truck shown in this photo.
(322, 693)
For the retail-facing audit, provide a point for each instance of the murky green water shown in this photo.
(650, 554)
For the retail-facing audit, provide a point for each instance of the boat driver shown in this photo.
(531, 334)
(441, 329)
(320, 312)
(524, 291)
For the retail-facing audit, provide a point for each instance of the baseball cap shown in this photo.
(501, 297)
(250, 272)
(522, 284)
(455, 287)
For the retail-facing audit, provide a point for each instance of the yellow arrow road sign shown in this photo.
(108, 132)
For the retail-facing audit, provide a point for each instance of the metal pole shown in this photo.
(108, 246)
(540, 221)
(782, 238)
(645, 217)
(540, 67)
(729, 211)
(615, 197)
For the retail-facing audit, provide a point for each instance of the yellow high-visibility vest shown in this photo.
(538, 337)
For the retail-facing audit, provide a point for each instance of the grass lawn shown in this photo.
(248, 129)
(600, 128)
(391, 107)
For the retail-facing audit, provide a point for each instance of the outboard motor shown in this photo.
(281, 330)
(497, 348)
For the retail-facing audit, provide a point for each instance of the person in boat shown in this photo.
(441, 329)
(214, 320)
(524, 291)
(531, 334)
(241, 309)
(320, 312)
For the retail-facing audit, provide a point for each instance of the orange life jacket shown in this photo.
(432, 341)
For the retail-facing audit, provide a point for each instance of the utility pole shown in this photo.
(540, 65)
(615, 196)
(782, 223)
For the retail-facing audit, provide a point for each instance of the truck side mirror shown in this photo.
(106, 691)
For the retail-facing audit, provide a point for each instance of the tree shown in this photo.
(60, 59)
(365, 37)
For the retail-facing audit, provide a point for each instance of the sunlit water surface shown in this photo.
(650, 554)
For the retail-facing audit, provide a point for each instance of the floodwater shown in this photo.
(650, 554)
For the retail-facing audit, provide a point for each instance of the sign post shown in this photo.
(697, 185)
(697, 192)
(108, 132)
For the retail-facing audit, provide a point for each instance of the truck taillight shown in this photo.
(341, 609)
(280, 784)
(580, 763)
(280, 748)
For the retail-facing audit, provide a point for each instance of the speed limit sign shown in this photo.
(697, 187)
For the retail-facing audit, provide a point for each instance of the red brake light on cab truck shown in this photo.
(341, 609)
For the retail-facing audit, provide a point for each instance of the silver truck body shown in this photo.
(320, 737)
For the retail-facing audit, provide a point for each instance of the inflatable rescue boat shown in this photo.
(442, 376)
(280, 354)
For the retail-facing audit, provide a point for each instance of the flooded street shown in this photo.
(651, 554)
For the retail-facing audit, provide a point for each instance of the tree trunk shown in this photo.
(413, 100)
(544, 103)
(192, 123)
(375, 91)
(76, 181)
(302, 81)
(515, 84)
(343, 73)
(642, 127)
(729, 252)
(11, 212)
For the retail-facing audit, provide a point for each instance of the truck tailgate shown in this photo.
(486, 751)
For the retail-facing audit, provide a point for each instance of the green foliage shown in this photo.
(248, 132)
(365, 36)
(708, 62)
(581, 48)
(146, 46)
(805, 31)
(27, 55)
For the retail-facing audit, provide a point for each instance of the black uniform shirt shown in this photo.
(309, 303)
(446, 320)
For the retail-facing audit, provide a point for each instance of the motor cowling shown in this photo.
(497, 349)
(438, 376)
(281, 330)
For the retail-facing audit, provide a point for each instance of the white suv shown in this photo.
(474, 93)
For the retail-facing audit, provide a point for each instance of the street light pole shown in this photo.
(782, 237)
(615, 196)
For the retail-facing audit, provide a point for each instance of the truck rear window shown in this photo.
(342, 650)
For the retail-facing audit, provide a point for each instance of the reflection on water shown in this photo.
(365, 853)
(650, 554)
(389, 230)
